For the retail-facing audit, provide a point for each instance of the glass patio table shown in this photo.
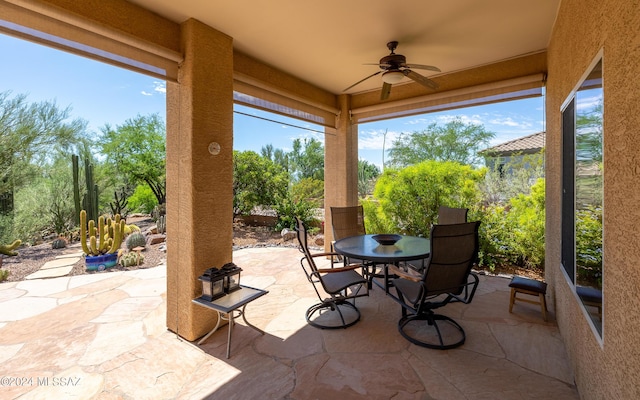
(365, 247)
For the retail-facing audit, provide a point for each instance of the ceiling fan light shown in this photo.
(392, 77)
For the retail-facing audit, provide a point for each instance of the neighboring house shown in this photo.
(521, 151)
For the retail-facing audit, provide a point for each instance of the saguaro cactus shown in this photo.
(76, 187)
(90, 199)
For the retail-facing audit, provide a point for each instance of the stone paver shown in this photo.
(25, 307)
(60, 262)
(104, 335)
(50, 273)
(78, 254)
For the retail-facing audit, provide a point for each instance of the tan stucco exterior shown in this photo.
(199, 184)
(583, 28)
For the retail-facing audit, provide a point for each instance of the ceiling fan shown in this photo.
(394, 67)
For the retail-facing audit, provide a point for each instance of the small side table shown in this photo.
(235, 301)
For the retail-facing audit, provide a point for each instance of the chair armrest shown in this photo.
(324, 254)
(335, 269)
(341, 269)
(410, 274)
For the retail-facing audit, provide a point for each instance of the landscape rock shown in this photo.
(155, 239)
(288, 234)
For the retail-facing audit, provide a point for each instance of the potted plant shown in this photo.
(101, 244)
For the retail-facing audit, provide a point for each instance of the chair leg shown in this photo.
(443, 343)
(543, 306)
(325, 321)
(512, 300)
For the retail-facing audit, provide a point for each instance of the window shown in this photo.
(582, 193)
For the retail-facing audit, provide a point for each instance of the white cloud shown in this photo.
(375, 139)
(160, 87)
(509, 122)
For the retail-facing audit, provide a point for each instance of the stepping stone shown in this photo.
(68, 255)
(50, 273)
(60, 262)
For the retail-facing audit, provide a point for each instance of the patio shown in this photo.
(105, 334)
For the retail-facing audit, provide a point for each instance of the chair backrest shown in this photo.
(448, 215)
(454, 251)
(347, 221)
(301, 232)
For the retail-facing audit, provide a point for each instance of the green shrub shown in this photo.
(588, 256)
(407, 200)
(514, 234)
(493, 235)
(309, 189)
(6, 228)
(257, 181)
(287, 209)
(142, 200)
(27, 224)
(526, 219)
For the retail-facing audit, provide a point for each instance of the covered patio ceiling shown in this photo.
(297, 58)
(326, 44)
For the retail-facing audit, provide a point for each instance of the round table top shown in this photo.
(365, 248)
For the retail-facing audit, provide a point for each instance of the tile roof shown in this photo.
(527, 144)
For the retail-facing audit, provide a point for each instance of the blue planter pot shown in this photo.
(100, 263)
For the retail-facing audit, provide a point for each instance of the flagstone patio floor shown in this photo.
(103, 336)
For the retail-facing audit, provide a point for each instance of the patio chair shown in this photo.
(345, 222)
(446, 216)
(449, 215)
(349, 221)
(447, 278)
(336, 287)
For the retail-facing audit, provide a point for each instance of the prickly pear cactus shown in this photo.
(136, 239)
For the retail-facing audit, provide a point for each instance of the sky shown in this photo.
(103, 94)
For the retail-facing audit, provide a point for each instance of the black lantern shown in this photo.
(232, 277)
(213, 284)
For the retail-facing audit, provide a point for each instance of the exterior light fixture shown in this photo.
(217, 282)
(392, 77)
(212, 284)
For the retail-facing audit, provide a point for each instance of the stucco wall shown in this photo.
(582, 29)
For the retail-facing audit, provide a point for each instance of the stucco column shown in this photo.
(340, 166)
(199, 183)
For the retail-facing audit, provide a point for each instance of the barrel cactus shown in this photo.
(59, 243)
(131, 259)
(136, 239)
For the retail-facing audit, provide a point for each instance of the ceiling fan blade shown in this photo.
(427, 67)
(362, 80)
(386, 89)
(420, 79)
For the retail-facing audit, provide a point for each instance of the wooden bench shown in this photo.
(591, 297)
(529, 287)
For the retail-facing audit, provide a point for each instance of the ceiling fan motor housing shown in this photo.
(393, 61)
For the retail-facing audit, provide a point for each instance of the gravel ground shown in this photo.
(31, 258)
